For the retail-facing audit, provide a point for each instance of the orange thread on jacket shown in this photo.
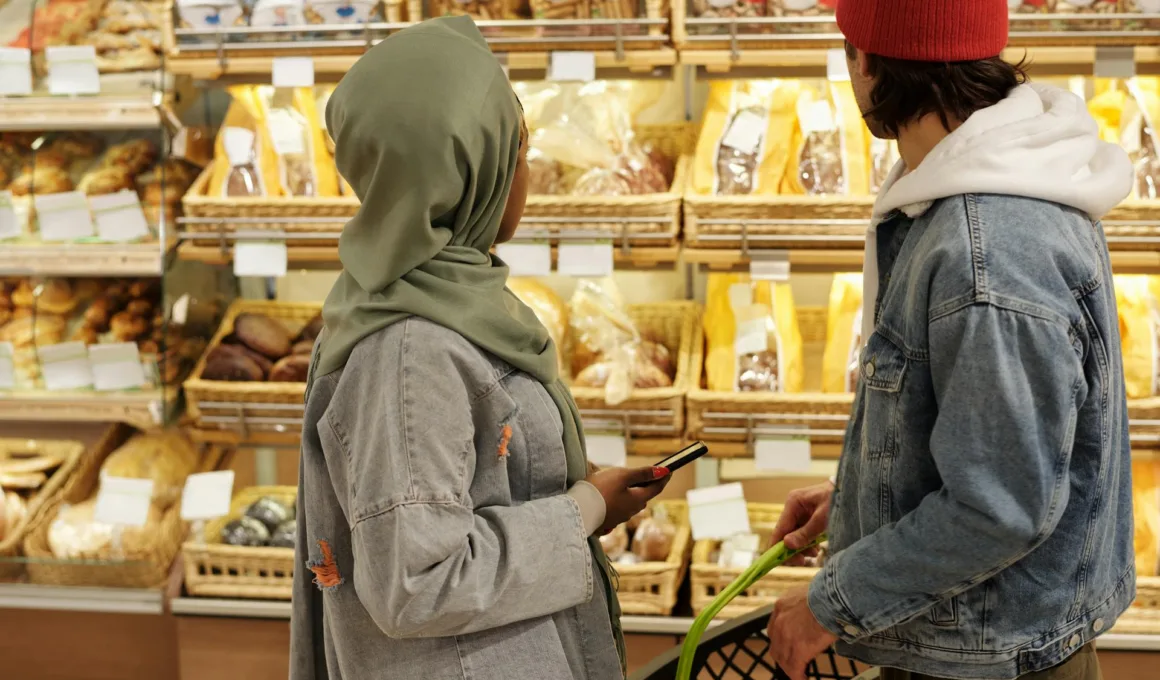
(326, 570)
(504, 440)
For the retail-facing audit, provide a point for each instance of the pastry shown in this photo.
(263, 335)
(106, 181)
(134, 156)
(303, 347)
(56, 297)
(139, 307)
(41, 180)
(127, 327)
(97, 315)
(29, 481)
(293, 368)
(232, 366)
(75, 146)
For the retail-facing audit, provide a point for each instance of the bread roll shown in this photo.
(549, 309)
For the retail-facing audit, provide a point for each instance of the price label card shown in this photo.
(9, 222)
(119, 216)
(606, 450)
(207, 495)
(180, 310)
(572, 67)
(718, 512)
(123, 501)
(7, 366)
(782, 454)
(260, 258)
(73, 70)
(65, 366)
(752, 337)
(746, 132)
(585, 259)
(771, 266)
(292, 72)
(837, 68)
(63, 217)
(15, 71)
(526, 259)
(116, 366)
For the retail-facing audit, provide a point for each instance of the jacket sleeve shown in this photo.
(426, 562)
(1006, 385)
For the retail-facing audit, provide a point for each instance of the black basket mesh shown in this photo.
(738, 650)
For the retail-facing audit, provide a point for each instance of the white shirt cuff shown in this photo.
(592, 508)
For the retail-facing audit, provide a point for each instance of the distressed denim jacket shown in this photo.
(982, 522)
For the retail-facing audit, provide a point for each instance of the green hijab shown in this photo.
(426, 130)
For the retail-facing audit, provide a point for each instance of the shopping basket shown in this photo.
(739, 650)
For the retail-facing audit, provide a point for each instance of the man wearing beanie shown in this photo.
(981, 523)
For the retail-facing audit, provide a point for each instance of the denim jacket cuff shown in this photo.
(829, 607)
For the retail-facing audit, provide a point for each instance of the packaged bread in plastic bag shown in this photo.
(295, 143)
(753, 342)
(883, 157)
(727, 9)
(1140, 137)
(605, 340)
(1083, 6)
(550, 310)
(745, 138)
(1146, 514)
(238, 171)
(1142, 6)
(166, 457)
(843, 334)
(801, 8)
(1139, 313)
(831, 144)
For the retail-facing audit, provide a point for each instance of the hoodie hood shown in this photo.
(1040, 142)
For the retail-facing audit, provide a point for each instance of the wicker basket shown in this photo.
(655, 412)
(199, 391)
(146, 566)
(12, 542)
(708, 579)
(650, 588)
(216, 570)
(728, 221)
(606, 216)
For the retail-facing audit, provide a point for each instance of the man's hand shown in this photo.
(795, 636)
(806, 513)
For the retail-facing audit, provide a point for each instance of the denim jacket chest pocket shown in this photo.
(883, 370)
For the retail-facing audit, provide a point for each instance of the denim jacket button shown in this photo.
(870, 369)
(1074, 641)
(1098, 625)
(851, 631)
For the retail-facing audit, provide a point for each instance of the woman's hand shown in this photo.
(626, 492)
(806, 513)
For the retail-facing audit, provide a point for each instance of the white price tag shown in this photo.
(526, 259)
(572, 66)
(63, 217)
(119, 216)
(718, 512)
(782, 454)
(9, 222)
(116, 366)
(739, 552)
(752, 337)
(837, 68)
(15, 71)
(585, 259)
(746, 132)
(7, 366)
(180, 310)
(815, 116)
(260, 258)
(73, 70)
(123, 501)
(65, 366)
(771, 266)
(740, 296)
(606, 450)
(207, 495)
(292, 72)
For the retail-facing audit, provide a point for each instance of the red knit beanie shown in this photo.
(925, 30)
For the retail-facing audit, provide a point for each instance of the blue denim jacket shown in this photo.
(982, 522)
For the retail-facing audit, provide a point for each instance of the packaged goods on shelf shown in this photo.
(550, 310)
(249, 553)
(728, 9)
(1027, 6)
(753, 342)
(482, 10)
(332, 12)
(801, 9)
(293, 135)
(31, 471)
(209, 13)
(269, 13)
(1146, 511)
(1083, 6)
(126, 34)
(747, 130)
(651, 554)
(1139, 310)
(840, 366)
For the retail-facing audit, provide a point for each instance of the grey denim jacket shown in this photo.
(434, 522)
(982, 521)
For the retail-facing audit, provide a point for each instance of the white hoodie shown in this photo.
(1039, 142)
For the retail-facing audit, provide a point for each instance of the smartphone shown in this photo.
(683, 457)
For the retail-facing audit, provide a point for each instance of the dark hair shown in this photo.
(905, 91)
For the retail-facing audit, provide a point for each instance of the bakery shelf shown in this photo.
(246, 609)
(145, 409)
(99, 112)
(89, 259)
(636, 47)
(82, 599)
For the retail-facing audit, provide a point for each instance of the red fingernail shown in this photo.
(659, 472)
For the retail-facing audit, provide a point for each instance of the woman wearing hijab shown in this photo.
(443, 516)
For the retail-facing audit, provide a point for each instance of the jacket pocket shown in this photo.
(883, 370)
